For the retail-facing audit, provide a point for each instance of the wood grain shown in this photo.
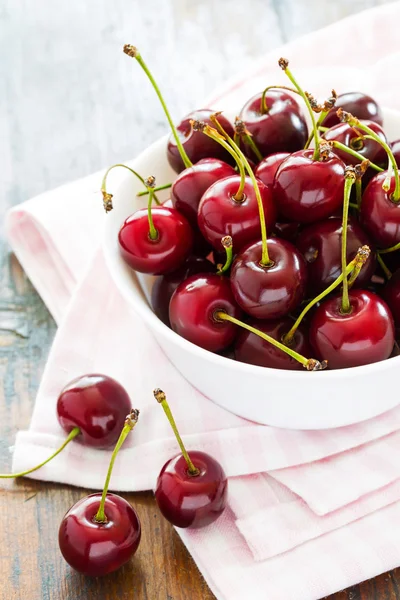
(69, 106)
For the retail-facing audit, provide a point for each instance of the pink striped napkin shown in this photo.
(309, 512)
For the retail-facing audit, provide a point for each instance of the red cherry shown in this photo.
(281, 129)
(268, 167)
(164, 286)
(358, 104)
(380, 215)
(307, 190)
(287, 230)
(351, 137)
(220, 214)
(251, 349)
(391, 294)
(363, 336)
(193, 306)
(191, 501)
(98, 405)
(190, 185)
(269, 292)
(320, 244)
(197, 146)
(162, 255)
(96, 548)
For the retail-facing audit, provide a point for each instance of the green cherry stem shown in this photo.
(265, 260)
(383, 266)
(130, 423)
(311, 364)
(354, 122)
(241, 132)
(161, 398)
(263, 104)
(354, 266)
(107, 198)
(284, 65)
(227, 244)
(319, 127)
(72, 435)
(134, 53)
(159, 188)
(350, 177)
(360, 157)
(391, 249)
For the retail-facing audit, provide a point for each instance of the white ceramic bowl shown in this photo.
(290, 399)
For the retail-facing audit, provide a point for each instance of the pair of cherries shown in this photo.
(102, 531)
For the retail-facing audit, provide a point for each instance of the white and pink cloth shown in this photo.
(310, 512)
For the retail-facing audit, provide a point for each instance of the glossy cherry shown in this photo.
(98, 405)
(352, 138)
(307, 190)
(364, 335)
(281, 128)
(191, 488)
(97, 549)
(269, 292)
(320, 244)
(267, 168)
(287, 230)
(196, 145)
(190, 185)
(164, 286)
(252, 349)
(380, 214)
(391, 294)
(193, 306)
(164, 254)
(360, 105)
(221, 214)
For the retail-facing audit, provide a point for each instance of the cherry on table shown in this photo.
(362, 336)
(192, 487)
(359, 104)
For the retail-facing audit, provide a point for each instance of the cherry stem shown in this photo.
(320, 119)
(354, 122)
(107, 198)
(72, 434)
(356, 264)
(159, 188)
(161, 398)
(308, 363)
(265, 260)
(284, 64)
(391, 249)
(384, 268)
(251, 143)
(153, 233)
(358, 193)
(350, 178)
(263, 105)
(360, 157)
(227, 244)
(130, 423)
(134, 53)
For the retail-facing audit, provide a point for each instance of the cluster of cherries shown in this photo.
(276, 247)
(101, 532)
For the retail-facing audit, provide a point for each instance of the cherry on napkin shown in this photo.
(309, 512)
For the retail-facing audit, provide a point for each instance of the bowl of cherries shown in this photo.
(263, 252)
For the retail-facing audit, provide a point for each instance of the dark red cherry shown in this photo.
(164, 286)
(351, 137)
(192, 501)
(94, 548)
(268, 167)
(190, 185)
(193, 306)
(358, 104)
(395, 147)
(321, 243)
(391, 294)
(281, 129)
(197, 145)
(363, 336)
(98, 405)
(162, 255)
(251, 349)
(273, 292)
(220, 214)
(287, 230)
(380, 215)
(306, 190)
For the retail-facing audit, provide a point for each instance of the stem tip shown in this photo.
(283, 63)
(107, 201)
(227, 241)
(159, 395)
(316, 365)
(131, 51)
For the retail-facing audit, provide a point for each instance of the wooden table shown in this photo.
(69, 106)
